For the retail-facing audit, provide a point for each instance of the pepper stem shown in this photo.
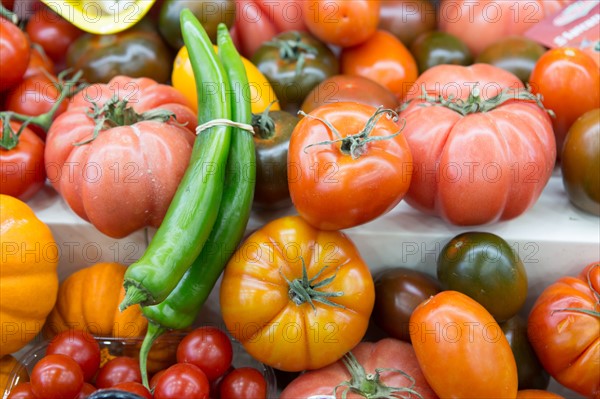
(355, 145)
(293, 50)
(153, 331)
(370, 386)
(133, 295)
(304, 290)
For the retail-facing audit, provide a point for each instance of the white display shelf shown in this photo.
(553, 239)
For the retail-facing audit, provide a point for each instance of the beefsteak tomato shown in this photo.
(340, 155)
(297, 298)
(483, 148)
(564, 330)
(393, 360)
(120, 167)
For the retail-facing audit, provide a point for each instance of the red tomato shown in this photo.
(388, 354)
(134, 387)
(54, 33)
(182, 380)
(384, 59)
(332, 184)
(81, 347)
(118, 370)
(155, 379)
(86, 391)
(568, 80)
(22, 391)
(564, 330)
(342, 23)
(243, 383)
(22, 172)
(56, 377)
(14, 54)
(481, 23)
(483, 166)
(142, 162)
(258, 21)
(461, 349)
(39, 63)
(208, 348)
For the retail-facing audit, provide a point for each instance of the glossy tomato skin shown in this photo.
(398, 291)
(209, 12)
(134, 387)
(136, 52)
(182, 380)
(14, 54)
(53, 33)
(567, 342)
(272, 324)
(86, 391)
(331, 189)
(407, 19)
(384, 59)
(56, 376)
(580, 162)
(208, 348)
(342, 23)
(566, 78)
(453, 327)
(349, 88)
(22, 170)
(291, 84)
(484, 267)
(39, 63)
(387, 353)
(22, 391)
(531, 372)
(81, 347)
(511, 148)
(118, 370)
(435, 48)
(271, 190)
(515, 54)
(537, 394)
(243, 383)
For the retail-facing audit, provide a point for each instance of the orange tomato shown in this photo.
(462, 350)
(384, 59)
(568, 79)
(537, 394)
(263, 302)
(342, 23)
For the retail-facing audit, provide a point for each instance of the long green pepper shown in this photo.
(182, 306)
(193, 210)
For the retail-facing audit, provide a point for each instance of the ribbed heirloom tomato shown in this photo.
(296, 297)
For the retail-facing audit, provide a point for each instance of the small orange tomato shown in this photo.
(462, 350)
(384, 59)
(568, 80)
(537, 394)
(342, 23)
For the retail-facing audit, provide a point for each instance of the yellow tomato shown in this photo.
(260, 91)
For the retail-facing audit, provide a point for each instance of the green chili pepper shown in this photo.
(193, 210)
(182, 306)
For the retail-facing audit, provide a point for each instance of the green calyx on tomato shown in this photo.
(370, 385)
(354, 145)
(293, 49)
(115, 112)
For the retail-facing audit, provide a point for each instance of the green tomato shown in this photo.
(437, 48)
(484, 267)
(516, 54)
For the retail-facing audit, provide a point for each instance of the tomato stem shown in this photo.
(370, 385)
(293, 50)
(474, 103)
(263, 124)
(305, 290)
(355, 145)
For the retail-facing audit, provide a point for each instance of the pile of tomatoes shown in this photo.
(74, 366)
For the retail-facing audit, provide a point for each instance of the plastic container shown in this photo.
(130, 347)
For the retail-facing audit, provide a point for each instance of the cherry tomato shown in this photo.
(243, 383)
(332, 183)
(81, 347)
(22, 171)
(384, 59)
(134, 387)
(22, 391)
(118, 370)
(342, 23)
(182, 380)
(39, 63)
(568, 79)
(14, 54)
(86, 391)
(56, 376)
(54, 33)
(208, 348)
(155, 379)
